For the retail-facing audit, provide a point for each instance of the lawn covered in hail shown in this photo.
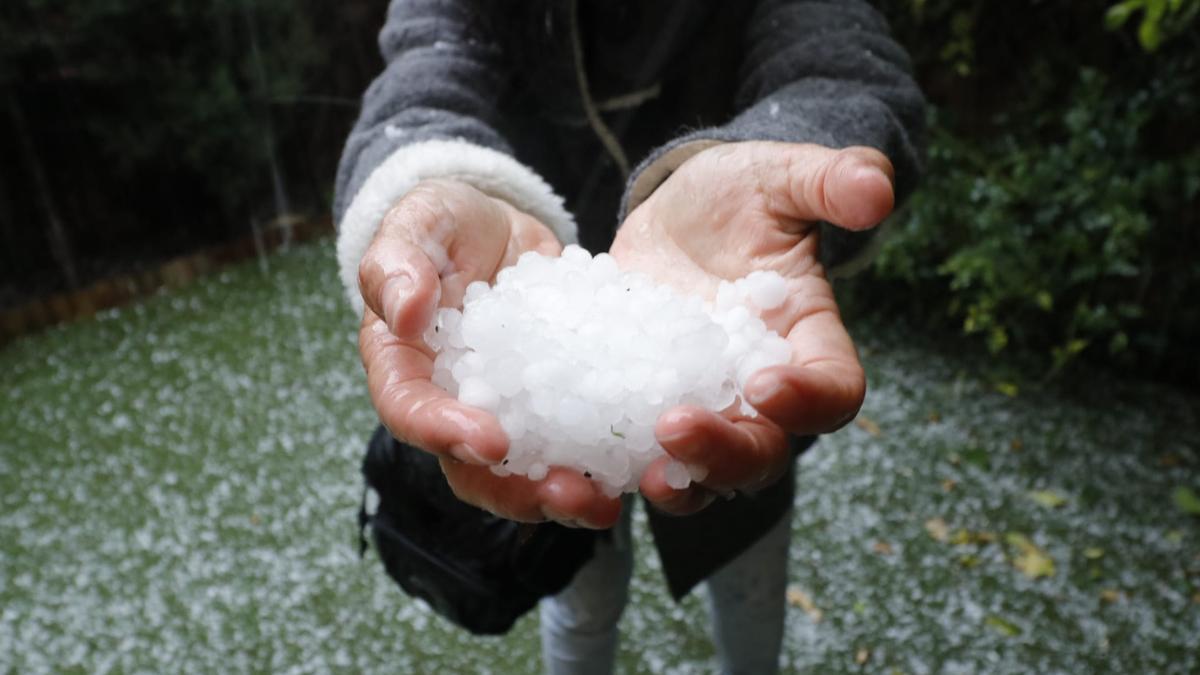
(179, 481)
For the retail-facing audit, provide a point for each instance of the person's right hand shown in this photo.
(439, 238)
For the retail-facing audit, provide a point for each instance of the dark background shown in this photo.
(1057, 222)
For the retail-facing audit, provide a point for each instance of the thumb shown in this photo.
(851, 187)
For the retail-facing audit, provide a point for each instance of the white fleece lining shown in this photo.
(491, 172)
(646, 182)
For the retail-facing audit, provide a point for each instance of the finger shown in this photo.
(851, 187)
(747, 454)
(563, 496)
(416, 411)
(824, 385)
(527, 234)
(657, 491)
(440, 236)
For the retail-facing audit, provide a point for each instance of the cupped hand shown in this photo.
(728, 211)
(439, 238)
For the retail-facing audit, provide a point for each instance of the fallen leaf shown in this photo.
(1008, 389)
(969, 561)
(948, 484)
(882, 548)
(862, 656)
(1175, 536)
(935, 417)
(867, 424)
(936, 527)
(963, 537)
(1196, 598)
(1003, 626)
(254, 519)
(1031, 560)
(1093, 553)
(798, 598)
(1048, 498)
(1016, 445)
(860, 607)
(1186, 500)
(1110, 595)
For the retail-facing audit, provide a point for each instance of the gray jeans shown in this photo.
(746, 605)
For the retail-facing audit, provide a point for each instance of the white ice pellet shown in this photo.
(577, 360)
(677, 475)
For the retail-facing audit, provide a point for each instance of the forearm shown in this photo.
(432, 114)
(826, 73)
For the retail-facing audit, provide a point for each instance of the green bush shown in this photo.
(1062, 222)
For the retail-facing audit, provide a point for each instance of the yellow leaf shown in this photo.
(1030, 560)
(1110, 595)
(1093, 553)
(937, 528)
(867, 424)
(862, 656)
(798, 598)
(1008, 389)
(1003, 626)
(1048, 498)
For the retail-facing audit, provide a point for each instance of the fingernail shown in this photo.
(768, 387)
(466, 453)
(867, 171)
(675, 437)
(396, 292)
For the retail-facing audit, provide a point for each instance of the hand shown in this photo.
(440, 237)
(730, 210)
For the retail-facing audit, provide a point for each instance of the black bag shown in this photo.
(478, 570)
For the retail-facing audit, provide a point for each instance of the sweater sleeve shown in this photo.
(814, 71)
(431, 113)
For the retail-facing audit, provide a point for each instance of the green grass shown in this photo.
(179, 480)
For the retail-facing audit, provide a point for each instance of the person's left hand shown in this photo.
(728, 211)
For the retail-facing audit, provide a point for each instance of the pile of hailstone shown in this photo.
(577, 360)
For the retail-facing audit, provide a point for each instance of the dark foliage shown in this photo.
(1059, 214)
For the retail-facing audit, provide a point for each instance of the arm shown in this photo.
(432, 114)
(825, 72)
(428, 200)
(825, 141)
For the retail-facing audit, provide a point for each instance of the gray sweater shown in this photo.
(547, 103)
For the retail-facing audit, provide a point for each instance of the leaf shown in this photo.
(867, 424)
(798, 598)
(1118, 14)
(1008, 389)
(1186, 500)
(882, 548)
(862, 656)
(1002, 626)
(1031, 560)
(1110, 595)
(1048, 498)
(948, 484)
(1093, 553)
(937, 528)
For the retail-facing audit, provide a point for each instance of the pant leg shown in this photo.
(747, 603)
(579, 625)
